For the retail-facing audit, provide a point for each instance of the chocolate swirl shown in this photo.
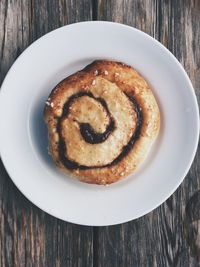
(91, 136)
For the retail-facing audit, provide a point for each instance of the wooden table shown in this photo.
(168, 236)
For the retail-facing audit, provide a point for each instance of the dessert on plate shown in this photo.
(101, 122)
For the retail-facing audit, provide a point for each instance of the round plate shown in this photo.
(23, 135)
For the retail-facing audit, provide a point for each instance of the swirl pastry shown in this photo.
(101, 121)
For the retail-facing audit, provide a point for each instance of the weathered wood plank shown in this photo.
(168, 236)
(28, 236)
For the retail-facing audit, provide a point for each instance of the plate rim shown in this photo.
(190, 160)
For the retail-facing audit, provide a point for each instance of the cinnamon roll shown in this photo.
(101, 122)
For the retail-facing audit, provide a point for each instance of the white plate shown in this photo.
(23, 136)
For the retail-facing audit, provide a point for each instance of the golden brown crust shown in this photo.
(110, 80)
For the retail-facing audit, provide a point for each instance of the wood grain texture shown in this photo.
(168, 236)
(28, 236)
